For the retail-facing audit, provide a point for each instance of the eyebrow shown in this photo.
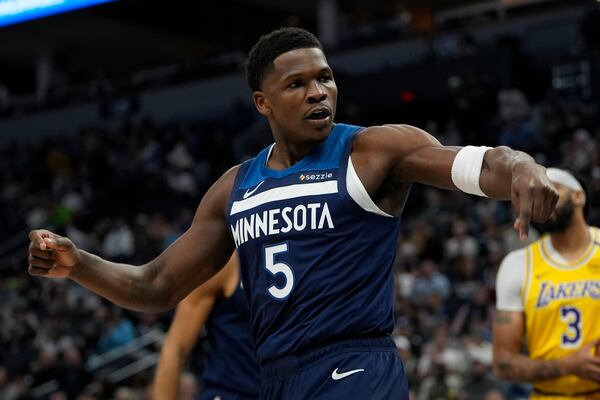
(295, 75)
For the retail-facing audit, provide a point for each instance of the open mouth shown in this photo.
(319, 114)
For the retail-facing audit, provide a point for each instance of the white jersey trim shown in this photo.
(269, 154)
(284, 193)
(556, 260)
(359, 194)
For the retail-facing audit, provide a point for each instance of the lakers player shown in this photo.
(549, 294)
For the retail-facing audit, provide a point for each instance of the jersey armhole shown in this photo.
(239, 178)
(359, 194)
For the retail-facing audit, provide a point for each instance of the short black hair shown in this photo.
(271, 46)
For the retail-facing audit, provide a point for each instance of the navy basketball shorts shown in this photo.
(216, 393)
(354, 369)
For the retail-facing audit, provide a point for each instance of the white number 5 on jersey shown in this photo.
(279, 268)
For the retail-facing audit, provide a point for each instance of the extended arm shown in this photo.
(191, 315)
(397, 154)
(158, 285)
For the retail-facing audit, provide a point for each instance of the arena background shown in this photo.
(114, 120)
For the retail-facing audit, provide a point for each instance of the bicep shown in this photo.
(430, 164)
(508, 331)
(408, 154)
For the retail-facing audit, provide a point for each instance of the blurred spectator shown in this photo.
(467, 279)
(443, 361)
(4, 384)
(73, 374)
(118, 244)
(117, 330)
(437, 386)
(580, 153)
(512, 104)
(18, 389)
(461, 243)
(481, 380)
(473, 318)
(430, 282)
(126, 393)
(45, 367)
(60, 395)
(494, 394)
(408, 359)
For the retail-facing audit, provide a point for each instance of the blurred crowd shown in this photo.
(127, 191)
(64, 77)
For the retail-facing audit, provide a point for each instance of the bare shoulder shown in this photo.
(398, 130)
(395, 128)
(398, 138)
(226, 181)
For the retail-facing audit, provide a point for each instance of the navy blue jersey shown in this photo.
(316, 253)
(230, 363)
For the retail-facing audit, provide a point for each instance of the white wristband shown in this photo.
(466, 169)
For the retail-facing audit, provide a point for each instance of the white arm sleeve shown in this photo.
(510, 281)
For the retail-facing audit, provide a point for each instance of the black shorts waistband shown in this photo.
(288, 365)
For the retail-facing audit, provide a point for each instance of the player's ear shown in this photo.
(578, 198)
(262, 103)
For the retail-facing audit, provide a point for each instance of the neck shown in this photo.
(286, 153)
(574, 240)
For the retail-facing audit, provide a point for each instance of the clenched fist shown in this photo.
(51, 255)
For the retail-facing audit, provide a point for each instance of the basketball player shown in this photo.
(315, 219)
(549, 294)
(230, 371)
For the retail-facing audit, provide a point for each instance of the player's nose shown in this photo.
(316, 92)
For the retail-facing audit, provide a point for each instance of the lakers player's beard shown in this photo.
(560, 220)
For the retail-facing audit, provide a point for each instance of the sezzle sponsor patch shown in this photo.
(315, 177)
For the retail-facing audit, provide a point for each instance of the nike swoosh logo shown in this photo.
(336, 376)
(251, 192)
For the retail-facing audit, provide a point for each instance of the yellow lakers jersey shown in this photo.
(562, 309)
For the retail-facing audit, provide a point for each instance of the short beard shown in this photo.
(562, 219)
